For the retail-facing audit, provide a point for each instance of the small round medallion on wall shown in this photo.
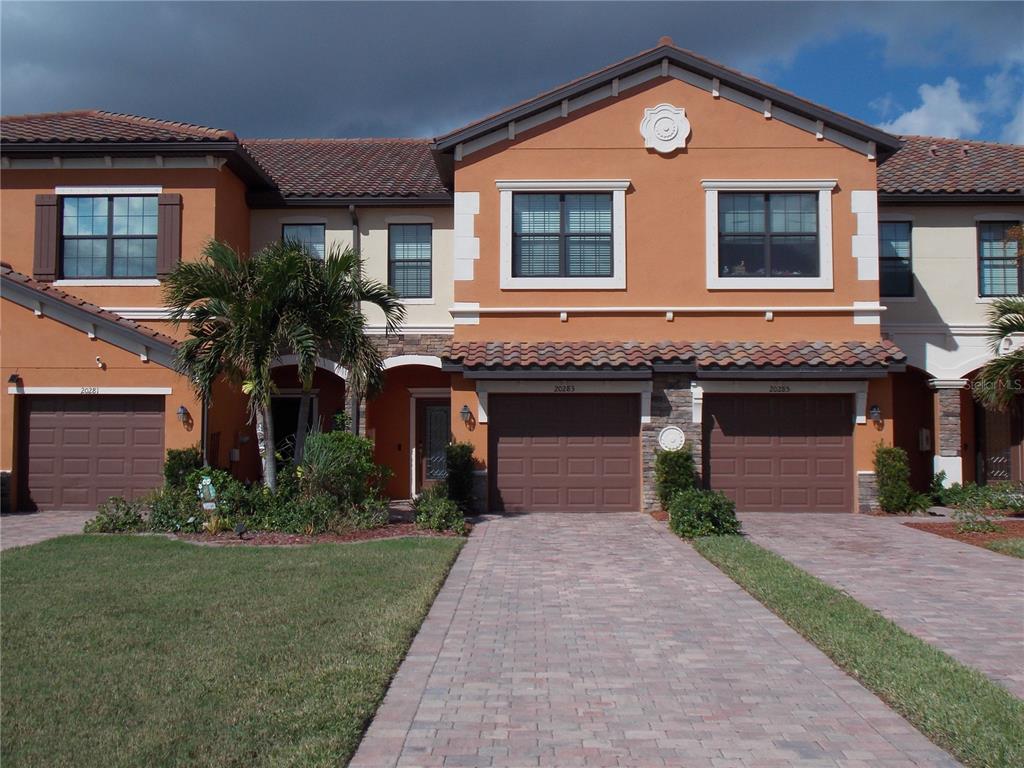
(665, 128)
(671, 438)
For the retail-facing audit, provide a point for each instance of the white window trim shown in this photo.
(618, 189)
(147, 190)
(824, 189)
(771, 388)
(998, 217)
(108, 282)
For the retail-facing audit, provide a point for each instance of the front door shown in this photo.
(435, 434)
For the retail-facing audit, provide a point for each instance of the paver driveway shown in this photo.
(963, 599)
(575, 639)
(23, 528)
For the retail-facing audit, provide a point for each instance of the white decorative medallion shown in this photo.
(665, 128)
(671, 439)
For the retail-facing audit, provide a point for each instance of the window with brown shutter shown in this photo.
(44, 264)
(168, 244)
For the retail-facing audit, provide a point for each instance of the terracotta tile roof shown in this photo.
(706, 355)
(350, 167)
(47, 289)
(96, 126)
(931, 164)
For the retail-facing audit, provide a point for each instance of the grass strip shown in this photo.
(1012, 547)
(958, 708)
(138, 651)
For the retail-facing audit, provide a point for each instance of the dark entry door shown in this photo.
(435, 436)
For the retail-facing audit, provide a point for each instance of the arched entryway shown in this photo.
(409, 422)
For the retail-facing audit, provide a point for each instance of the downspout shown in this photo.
(205, 431)
(353, 396)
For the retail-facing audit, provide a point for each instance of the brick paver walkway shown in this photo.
(963, 599)
(603, 640)
(21, 529)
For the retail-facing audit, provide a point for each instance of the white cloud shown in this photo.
(943, 112)
(1013, 131)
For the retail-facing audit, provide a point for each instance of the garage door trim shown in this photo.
(856, 387)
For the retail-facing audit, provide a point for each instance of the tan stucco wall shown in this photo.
(373, 228)
(665, 220)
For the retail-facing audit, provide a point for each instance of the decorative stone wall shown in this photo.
(867, 492)
(671, 404)
(412, 344)
(949, 442)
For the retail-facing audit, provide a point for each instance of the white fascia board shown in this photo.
(111, 190)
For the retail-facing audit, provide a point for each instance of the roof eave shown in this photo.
(275, 200)
(933, 196)
(886, 143)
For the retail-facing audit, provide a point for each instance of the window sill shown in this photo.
(990, 299)
(897, 299)
(562, 283)
(128, 282)
(419, 301)
(769, 283)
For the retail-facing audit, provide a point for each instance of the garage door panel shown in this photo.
(77, 451)
(583, 452)
(788, 452)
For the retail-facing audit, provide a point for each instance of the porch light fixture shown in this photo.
(182, 413)
(13, 378)
(875, 412)
(465, 414)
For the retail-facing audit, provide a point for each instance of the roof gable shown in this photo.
(667, 60)
(99, 126)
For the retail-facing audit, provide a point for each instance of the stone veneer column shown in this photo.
(671, 404)
(948, 440)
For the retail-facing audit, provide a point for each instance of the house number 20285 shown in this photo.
(565, 388)
(778, 388)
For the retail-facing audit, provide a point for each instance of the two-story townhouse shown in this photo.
(669, 252)
(949, 218)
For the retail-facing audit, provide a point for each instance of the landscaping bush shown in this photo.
(180, 462)
(116, 515)
(232, 497)
(459, 480)
(372, 513)
(340, 464)
(436, 512)
(674, 471)
(937, 488)
(694, 512)
(1000, 497)
(892, 472)
(174, 510)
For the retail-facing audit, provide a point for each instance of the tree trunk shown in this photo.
(354, 400)
(265, 440)
(303, 421)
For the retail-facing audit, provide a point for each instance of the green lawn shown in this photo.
(140, 651)
(1014, 547)
(958, 708)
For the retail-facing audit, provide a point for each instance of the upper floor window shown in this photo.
(768, 234)
(410, 254)
(312, 237)
(895, 270)
(562, 235)
(999, 266)
(108, 236)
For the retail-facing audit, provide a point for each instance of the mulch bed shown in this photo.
(660, 516)
(275, 539)
(1011, 529)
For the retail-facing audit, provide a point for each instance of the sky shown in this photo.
(421, 69)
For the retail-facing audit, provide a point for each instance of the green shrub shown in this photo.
(232, 497)
(459, 480)
(116, 515)
(436, 512)
(372, 513)
(974, 519)
(340, 464)
(694, 512)
(674, 471)
(175, 510)
(180, 462)
(1001, 497)
(892, 472)
(937, 488)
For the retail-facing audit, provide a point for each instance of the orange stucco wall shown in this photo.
(665, 220)
(47, 353)
(387, 420)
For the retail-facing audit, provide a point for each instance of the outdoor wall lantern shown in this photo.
(875, 412)
(14, 379)
(465, 414)
(182, 414)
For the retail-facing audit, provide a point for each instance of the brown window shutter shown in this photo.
(44, 264)
(168, 233)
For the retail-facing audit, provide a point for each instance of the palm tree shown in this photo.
(332, 296)
(241, 314)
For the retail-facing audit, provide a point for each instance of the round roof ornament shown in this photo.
(665, 128)
(671, 438)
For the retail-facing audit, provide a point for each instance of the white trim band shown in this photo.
(122, 283)
(20, 390)
(780, 388)
(566, 388)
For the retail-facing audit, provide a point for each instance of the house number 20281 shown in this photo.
(565, 388)
(778, 388)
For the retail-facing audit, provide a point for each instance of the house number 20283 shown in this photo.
(90, 390)
(778, 388)
(565, 388)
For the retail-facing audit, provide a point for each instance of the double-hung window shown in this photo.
(312, 237)
(768, 234)
(410, 256)
(562, 235)
(999, 258)
(108, 236)
(895, 269)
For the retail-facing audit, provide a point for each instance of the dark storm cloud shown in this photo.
(348, 69)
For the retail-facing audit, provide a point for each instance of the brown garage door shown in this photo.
(790, 453)
(578, 453)
(78, 451)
